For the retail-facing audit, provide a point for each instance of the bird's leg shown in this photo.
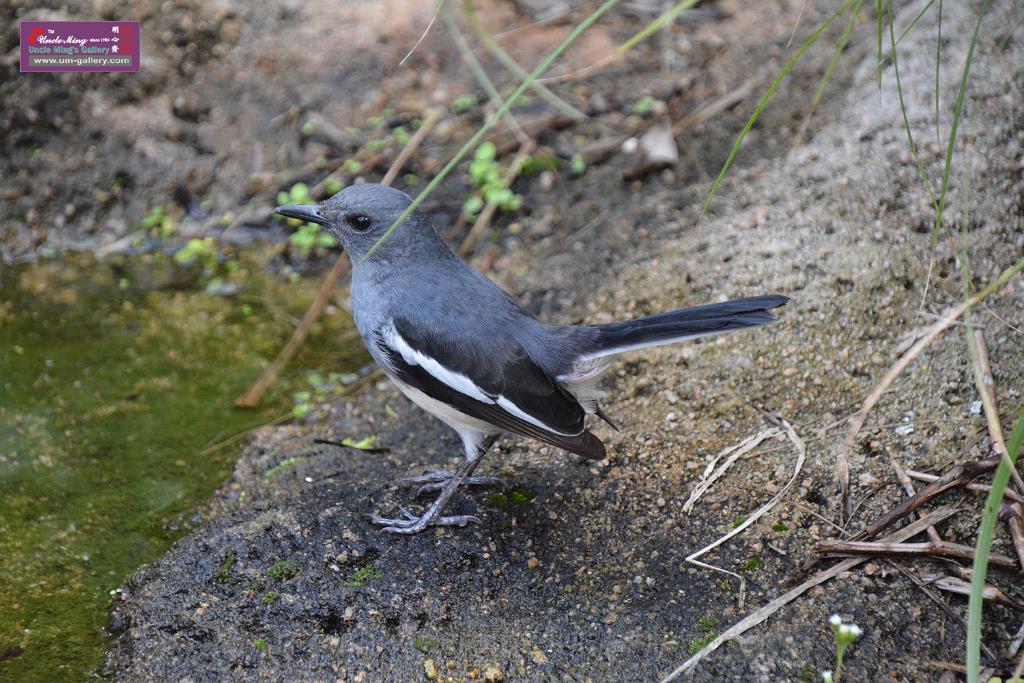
(411, 524)
(435, 481)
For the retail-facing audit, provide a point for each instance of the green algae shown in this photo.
(117, 382)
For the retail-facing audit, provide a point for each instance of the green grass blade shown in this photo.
(499, 53)
(938, 61)
(956, 120)
(903, 110)
(878, 63)
(474, 65)
(489, 123)
(984, 545)
(764, 101)
(1008, 35)
(655, 25)
(836, 56)
(903, 34)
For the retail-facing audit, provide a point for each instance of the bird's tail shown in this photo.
(674, 326)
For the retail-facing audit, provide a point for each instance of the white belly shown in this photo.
(469, 428)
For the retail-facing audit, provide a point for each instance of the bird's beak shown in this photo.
(303, 212)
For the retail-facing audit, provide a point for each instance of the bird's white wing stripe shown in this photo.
(458, 381)
(518, 412)
(455, 380)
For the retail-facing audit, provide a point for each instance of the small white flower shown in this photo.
(855, 631)
(835, 620)
(826, 676)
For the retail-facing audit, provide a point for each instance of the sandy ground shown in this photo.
(578, 572)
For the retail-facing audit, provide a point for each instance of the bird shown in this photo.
(462, 349)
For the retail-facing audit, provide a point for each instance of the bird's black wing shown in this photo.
(496, 382)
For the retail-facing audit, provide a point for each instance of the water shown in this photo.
(117, 382)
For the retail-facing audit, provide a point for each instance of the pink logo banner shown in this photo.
(56, 46)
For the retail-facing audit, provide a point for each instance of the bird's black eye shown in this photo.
(359, 221)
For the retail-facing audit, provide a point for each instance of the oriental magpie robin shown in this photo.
(460, 348)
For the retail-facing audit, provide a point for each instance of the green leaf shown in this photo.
(577, 164)
(644, 106)
(487, 151)
(363, 444)
(464, 103)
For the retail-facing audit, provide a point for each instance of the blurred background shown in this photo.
(145, 285)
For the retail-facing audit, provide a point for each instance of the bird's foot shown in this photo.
(436, 481)
(411, 524)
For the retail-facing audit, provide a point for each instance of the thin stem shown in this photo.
(951, 146)
(478, 70)
(764, 101)
(836, 55)
(655, 25)
(878, 60)
(903, 111)
(938, 61)
(487, 40)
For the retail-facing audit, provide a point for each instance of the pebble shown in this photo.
(538, 656)
(430, 669)
(493, 673)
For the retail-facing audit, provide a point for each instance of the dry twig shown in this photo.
(712, 472)
(908, 487)
(943, 549)
(842, 467)
(1013, 515)
(960, 668)
(801, 451)
(715, 107)
(978, 488)
(956, 585)
(987, 390)
(775, 605)
(431, 120)
(958, 476)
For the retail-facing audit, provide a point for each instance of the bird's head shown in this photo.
(359, 216)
